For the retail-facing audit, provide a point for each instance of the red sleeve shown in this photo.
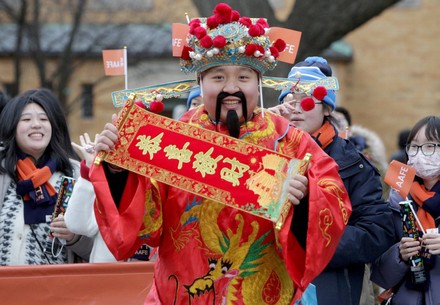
(119, 227)
(329, 210)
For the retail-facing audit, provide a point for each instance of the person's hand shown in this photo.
(408, 247)
(108, 138)
(284, 110)
(59, 229)
(87, 148)
(432, 242)
(297, 189)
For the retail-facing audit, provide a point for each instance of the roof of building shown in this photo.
(141, 40)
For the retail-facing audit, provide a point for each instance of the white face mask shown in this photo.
(427, 167)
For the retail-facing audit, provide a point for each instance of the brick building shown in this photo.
(391, 81)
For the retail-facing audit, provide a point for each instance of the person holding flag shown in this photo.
(418, 199)
(208, 252)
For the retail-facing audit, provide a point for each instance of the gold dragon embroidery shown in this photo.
(246, 262)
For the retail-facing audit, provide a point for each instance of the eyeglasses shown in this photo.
(296, 103)
(428, 149)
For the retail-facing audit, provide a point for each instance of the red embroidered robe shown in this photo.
(210, 253)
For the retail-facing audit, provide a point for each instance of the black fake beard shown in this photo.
(233, 123)
(232, 119)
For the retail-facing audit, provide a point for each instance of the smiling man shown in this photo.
(210, 253)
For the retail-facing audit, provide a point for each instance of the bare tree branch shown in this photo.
(21, 24)
(64, 70)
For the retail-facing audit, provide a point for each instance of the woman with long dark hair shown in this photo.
(35, 155)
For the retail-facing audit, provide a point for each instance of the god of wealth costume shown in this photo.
(210, 253)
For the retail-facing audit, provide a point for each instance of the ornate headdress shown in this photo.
(313, 76)
(226, 38)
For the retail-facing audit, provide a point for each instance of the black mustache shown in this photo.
(222, 95)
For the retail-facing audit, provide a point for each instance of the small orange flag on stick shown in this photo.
(114, 62)
(400, 177)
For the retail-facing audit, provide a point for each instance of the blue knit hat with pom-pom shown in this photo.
(312, 69)
(195, 92)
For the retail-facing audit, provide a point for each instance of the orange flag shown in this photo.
(400, 177)
(292, 39)
(114, 62)
(179, 33)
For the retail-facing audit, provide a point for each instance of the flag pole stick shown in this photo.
(125, 67)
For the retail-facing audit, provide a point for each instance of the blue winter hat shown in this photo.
(195, 92)
(312, 69)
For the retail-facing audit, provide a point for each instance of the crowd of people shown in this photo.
(342, 242)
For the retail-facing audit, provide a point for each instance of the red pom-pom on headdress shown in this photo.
(206, 41)
(219, 42)
(263, 22)
(319, 92)
(261, 49)
(156, 106)
(256, 30)
(200, 32)
(280, 45)
(235, 15)
(223, 13)
(250, 49)
(193, 24)
(185, 52)
(274, 52)
(246, 21)
(211, 22)
(307, 104)
(140, 104)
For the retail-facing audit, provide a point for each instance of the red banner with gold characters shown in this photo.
(203, 162)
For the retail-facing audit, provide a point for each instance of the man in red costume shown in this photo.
(210, 253)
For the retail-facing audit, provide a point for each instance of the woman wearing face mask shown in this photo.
(393, 268)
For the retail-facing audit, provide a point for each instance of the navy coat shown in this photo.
(369, 231)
